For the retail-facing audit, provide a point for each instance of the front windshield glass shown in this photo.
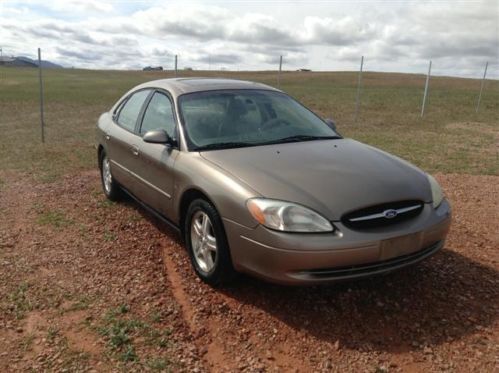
(238, 118)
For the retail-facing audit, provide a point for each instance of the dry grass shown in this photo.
(451, 138)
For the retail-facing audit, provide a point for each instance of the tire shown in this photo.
(218, 270)
(109, 185)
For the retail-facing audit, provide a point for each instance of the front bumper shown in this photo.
(293, 258)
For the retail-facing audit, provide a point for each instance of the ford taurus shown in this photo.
(257, 183)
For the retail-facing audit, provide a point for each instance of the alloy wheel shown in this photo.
(107, 178)
(204, 242)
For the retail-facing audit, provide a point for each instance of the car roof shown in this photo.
(179, 86)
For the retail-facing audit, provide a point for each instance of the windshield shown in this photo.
(238, 118)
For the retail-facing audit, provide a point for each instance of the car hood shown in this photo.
(330, 176)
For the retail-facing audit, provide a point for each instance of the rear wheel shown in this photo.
(207, 244)
(109, 185)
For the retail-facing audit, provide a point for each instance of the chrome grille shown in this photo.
(382, 215)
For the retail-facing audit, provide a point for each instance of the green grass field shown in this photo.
(451, 138)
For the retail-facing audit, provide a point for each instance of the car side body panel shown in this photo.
(192, 172)
(156, 175)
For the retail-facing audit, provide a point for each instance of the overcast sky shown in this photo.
(459, 36)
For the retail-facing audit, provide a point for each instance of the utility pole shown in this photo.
(176, 60)
(42, 122)
(279, 74)
(481, 86)
(425, 95)
(359, 85)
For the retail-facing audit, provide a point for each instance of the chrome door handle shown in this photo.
(135, 151)
(107, 137)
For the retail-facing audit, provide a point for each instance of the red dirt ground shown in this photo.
(73, 265)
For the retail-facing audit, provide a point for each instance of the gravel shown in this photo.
(69, 259)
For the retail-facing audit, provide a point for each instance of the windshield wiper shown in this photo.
(298, 138)
(224, 145)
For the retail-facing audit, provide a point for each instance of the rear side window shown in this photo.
(127, 118)
(159, 115)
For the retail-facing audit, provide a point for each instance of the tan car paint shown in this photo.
(331, 177)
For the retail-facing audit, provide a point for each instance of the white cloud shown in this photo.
(458, 36)
(343, 31)
(72, 6)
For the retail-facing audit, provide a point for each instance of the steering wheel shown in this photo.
(276, 122)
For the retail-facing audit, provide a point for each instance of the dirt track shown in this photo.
(77, 271)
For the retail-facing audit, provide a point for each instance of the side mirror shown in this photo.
(158, 137)
(331, 123)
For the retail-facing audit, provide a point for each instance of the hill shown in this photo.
(23, 61)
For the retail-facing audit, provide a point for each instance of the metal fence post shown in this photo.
(481, 87)
(42, 121)
(176, 65)
(425, 95)
(279, 74)
(359, 83)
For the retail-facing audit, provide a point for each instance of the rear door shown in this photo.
(157, 160)
(123, 139)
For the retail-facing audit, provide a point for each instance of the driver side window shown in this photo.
(159, 115)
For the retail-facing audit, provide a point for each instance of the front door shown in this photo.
(157, 160)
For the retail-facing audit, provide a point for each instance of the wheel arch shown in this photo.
(224, 250)
(100, 151)
(186, 199)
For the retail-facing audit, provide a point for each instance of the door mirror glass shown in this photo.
(157, 137)
(331, 123)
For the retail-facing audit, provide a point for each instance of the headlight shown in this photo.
(436, 192)
(287, 216)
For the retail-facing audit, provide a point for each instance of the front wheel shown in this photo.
(109, 185)
(207, 244)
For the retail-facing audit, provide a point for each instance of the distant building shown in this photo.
(151, 68)
(304, 70)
